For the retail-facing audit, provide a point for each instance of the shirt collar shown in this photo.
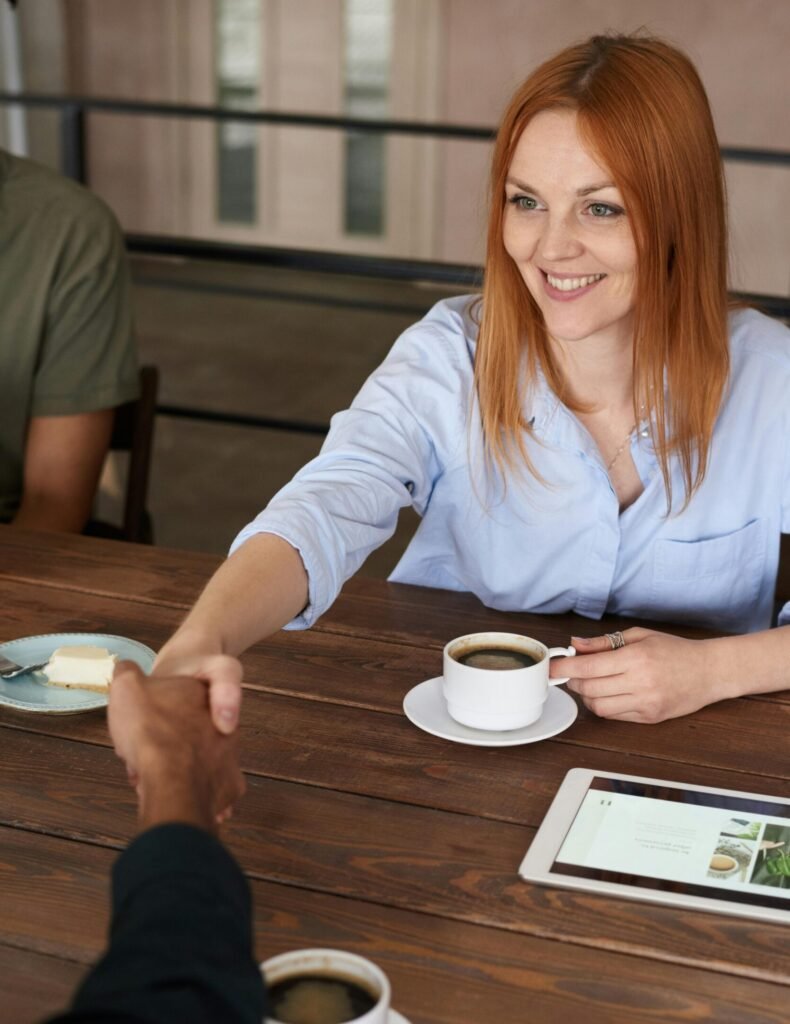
(554, 424)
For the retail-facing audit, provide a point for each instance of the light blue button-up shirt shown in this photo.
(412, 436)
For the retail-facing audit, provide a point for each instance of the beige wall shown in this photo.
(134, 50)
(40, 32)
(159, 175)
(741, 48)
(460, 63)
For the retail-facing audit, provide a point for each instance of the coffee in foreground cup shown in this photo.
(498, 681)
(320, 999)
(325, 986)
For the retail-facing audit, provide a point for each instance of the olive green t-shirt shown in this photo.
(66, 343)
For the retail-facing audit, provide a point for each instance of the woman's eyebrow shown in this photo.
(595, 188)
(523, 186)
(587, 190)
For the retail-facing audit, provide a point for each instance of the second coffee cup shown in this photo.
(498, 681)
(326, 985)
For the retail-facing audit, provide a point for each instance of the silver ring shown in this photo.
(616, 639)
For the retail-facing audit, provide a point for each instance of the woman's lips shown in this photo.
(572, 286)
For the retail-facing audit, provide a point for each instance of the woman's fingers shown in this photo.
(602, 686)
(648, 678)
(223, 675)
(591, 644)
(596, 644)
(590, 665)
(619, 705)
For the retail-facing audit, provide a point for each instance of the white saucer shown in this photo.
(426, 708)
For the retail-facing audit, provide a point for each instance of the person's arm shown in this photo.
(181, 938)
(63, 460)
(266, 583)
(260, 588)
(656, 676)
(85, 360)
(181, 934)
(384, 453)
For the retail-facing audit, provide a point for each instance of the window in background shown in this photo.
(237, 68)
(368, 51)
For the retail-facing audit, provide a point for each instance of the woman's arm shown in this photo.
(383, 454)
(657, 676)
(260, 588)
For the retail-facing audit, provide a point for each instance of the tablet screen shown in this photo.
(680, 840)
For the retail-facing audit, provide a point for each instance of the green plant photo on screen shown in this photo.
(772, 866)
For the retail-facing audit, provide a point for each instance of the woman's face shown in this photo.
(567, 231)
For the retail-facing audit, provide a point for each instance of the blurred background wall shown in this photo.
(447, 60)
(250, 339)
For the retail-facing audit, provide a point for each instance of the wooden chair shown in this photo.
(783, 578)
(133, 432)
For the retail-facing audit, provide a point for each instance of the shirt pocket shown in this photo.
(715, 581)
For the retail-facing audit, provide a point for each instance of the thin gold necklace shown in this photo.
(621, 449)
(642, 433)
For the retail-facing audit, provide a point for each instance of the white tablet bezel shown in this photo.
(539, 859)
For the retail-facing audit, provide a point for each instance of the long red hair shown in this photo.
(643, 112)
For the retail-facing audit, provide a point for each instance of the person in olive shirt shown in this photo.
(67, 355)
(181, 948)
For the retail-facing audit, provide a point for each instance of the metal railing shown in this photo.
(74, 110)
(459, 276)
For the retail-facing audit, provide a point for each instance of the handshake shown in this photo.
(181, 937)
(183, 768)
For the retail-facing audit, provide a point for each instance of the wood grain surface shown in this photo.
(358, 830)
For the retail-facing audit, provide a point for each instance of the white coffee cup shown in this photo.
(332, 963)
(498, 699)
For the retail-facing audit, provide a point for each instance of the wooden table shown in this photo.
(358, 831)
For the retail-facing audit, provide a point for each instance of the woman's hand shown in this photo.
(221, 672)
(653, 677)
(260, 588)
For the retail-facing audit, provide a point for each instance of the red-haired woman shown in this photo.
(600, 432)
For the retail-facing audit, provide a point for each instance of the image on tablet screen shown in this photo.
(772, 863)
(680, 840)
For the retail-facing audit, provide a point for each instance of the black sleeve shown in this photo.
(181, 949)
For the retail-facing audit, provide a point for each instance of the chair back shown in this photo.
(133, 432)
(783, 577)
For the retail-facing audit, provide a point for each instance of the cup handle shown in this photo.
(560, 652)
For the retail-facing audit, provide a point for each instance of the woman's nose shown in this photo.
(560, 239)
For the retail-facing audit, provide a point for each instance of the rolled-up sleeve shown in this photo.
(383, 453)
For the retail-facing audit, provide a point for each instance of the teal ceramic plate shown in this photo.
(29, 692)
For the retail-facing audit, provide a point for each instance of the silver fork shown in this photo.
(9, 669)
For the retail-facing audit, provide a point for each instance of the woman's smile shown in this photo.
(566, 287)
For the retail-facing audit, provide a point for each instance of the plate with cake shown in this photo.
(77, 673)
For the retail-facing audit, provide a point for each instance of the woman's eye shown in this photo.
(524, 202)
(604, 210)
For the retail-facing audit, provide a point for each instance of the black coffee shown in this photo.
(319, 999)
(497, 658)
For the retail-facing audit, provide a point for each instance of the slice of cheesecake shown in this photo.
(81, 667)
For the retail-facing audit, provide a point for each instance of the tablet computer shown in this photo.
(666, 842)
